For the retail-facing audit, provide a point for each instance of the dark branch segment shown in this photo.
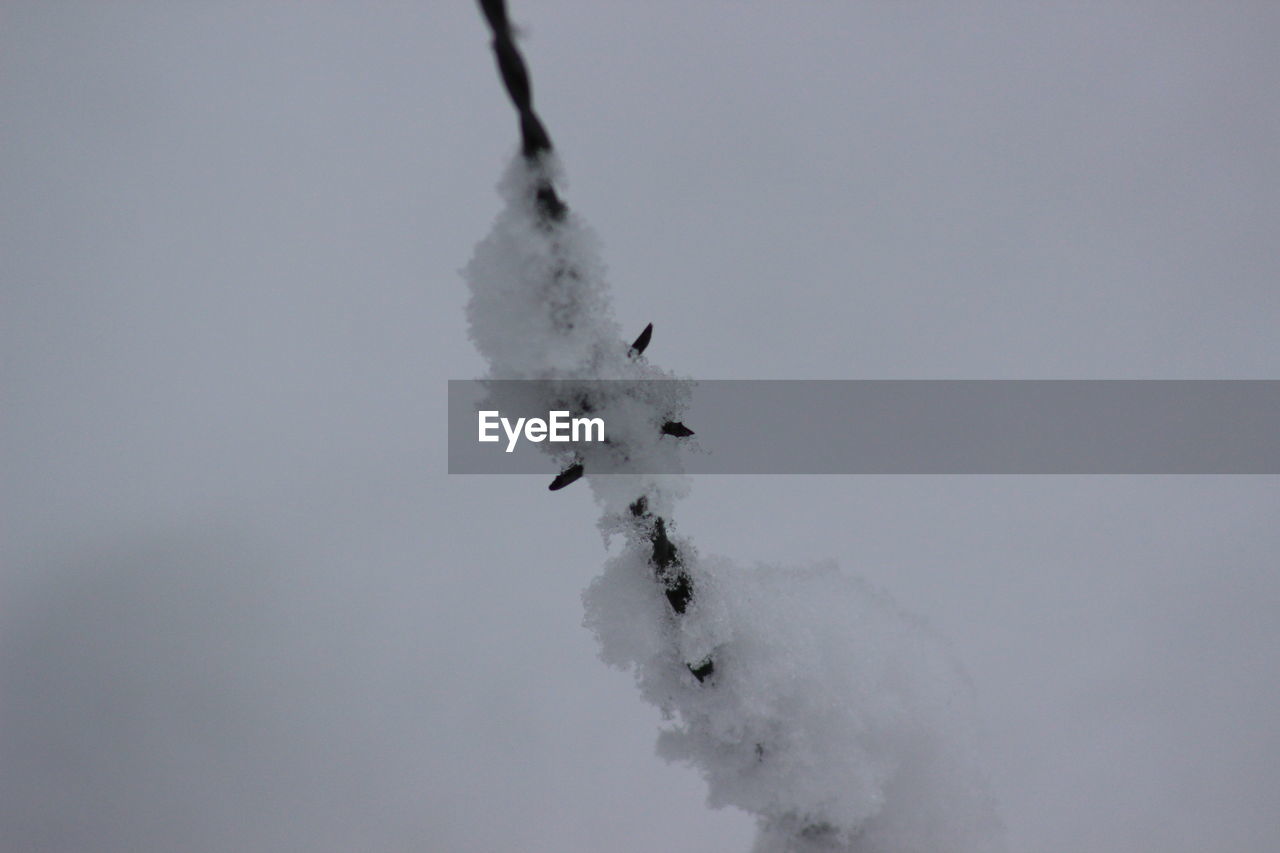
(515, 76)
(675, 580)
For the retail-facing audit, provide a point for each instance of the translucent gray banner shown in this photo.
(896, 426)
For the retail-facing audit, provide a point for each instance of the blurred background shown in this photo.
(243, 606)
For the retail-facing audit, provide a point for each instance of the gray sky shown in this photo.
(245, 608)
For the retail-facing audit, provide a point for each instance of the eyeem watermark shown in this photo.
(557, 427)
(930, 427)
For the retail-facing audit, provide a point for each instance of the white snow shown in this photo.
(837, 719)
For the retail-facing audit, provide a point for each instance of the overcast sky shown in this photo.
(245, 608)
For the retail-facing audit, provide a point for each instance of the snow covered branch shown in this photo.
(803, 696)
(571, 302)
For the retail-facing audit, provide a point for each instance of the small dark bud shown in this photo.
(642, 342)
(565, 477)
(702, 671)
